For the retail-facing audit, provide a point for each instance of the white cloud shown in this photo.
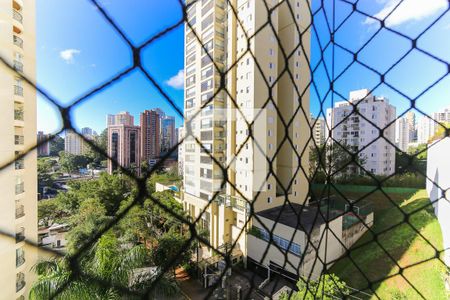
(177, 81)
(68, 55)
(408, 10)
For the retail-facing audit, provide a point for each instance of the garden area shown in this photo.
(401, 263)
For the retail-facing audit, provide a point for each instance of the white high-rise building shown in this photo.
(402, 134)
(18, 180)
(425, 129)
(358, 133)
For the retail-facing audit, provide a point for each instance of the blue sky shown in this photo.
(78, 50)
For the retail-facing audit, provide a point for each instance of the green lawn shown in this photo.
(404, 244)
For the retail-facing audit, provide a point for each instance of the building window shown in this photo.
(269, 199)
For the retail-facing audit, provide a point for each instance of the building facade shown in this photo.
(355, 130)
(168, 138)
(150, 121)
(180, 133)
(438, 188)
(86, 131)
(122, 118)
(44, 147)
(402, 134)
(74, 144)
(425, 129)
(18, 181)
(124, 147)
(222, 130)
(411, 122)
(318, 130)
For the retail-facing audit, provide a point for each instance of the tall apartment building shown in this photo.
(74, 144)
(442, 116)
(318, 130)
(412, 126)
(168, 138)
(44, 148)
(150, 121)
(124, 147)
(357, 132)
(180, 134)
(402, 134)
(18, 181)
(122, 118)
(222, 129)
(86, 131)
(425, 129)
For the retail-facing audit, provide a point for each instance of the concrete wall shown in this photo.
(329, 250)
(438, 174)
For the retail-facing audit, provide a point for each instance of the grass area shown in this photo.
(403, 243)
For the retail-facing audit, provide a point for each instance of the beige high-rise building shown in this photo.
(122, 118)
(222, 129)
(18, 181)
(318, 130)
(73, 143)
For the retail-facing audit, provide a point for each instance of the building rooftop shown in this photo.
(295, 215)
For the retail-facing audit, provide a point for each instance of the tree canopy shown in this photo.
(147, 236)
(327, 287)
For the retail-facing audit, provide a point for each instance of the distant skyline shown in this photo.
(78, 50)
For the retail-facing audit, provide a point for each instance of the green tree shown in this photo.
(440, 131)
(338, 159)
(171, 250)
(56, 145)
(328, 287)
(95, 156)
(89, 219)
(71, 163)
(49, 212)
(45, 172)
(109, 190)
(111, 263)
(413, 161)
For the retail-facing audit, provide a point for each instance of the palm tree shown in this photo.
(104, 273)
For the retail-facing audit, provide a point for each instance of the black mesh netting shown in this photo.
(320, 40)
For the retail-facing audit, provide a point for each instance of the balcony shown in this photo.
(18, 41)
(18, 66)
(19, 139)
(18, 114)
(18, 90)
(20, 260)
(19, 164)
(17, 16)
(20, 188)
(20, 211)
(20, 281)
(20, 236)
